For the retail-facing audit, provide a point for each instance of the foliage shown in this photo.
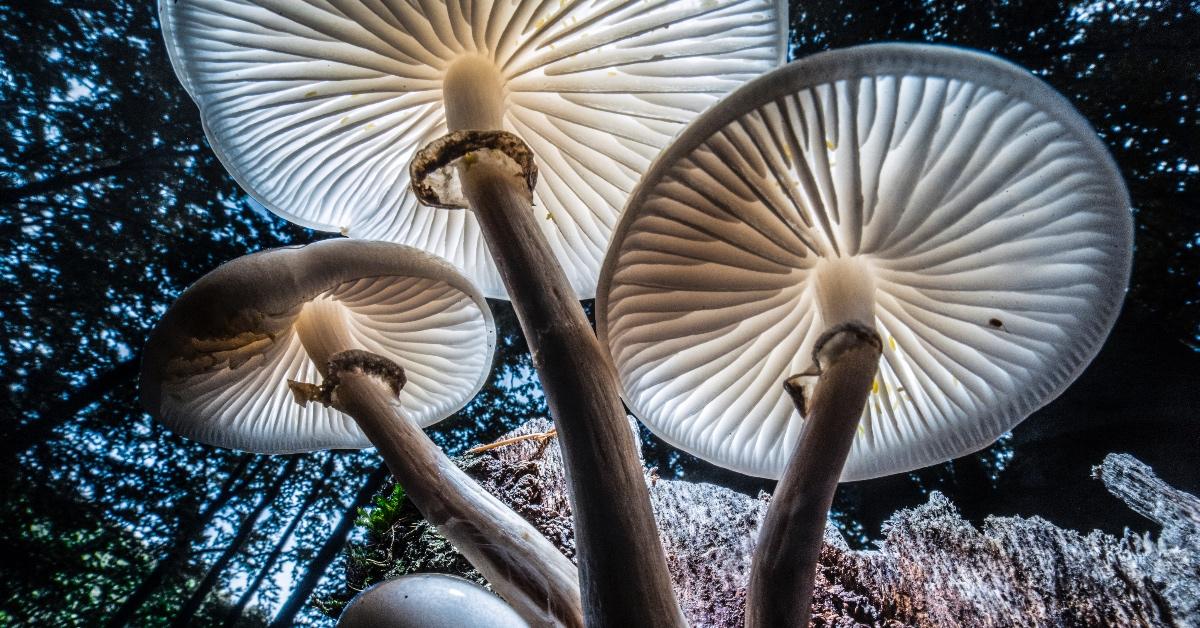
(383, 513)
(63, 560)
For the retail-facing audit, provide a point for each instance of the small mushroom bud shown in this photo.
(428, 600)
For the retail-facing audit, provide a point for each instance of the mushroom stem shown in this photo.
(520, 564)
(784, 567)
(623, 569)
(323, 332)
(473, 91)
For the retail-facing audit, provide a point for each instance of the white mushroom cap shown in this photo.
(428, 600)
(216, 368)
(992, 222)
(318, 108)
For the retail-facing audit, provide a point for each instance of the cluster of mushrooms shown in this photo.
(856, 264)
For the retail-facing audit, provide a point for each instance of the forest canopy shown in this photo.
(112, 202)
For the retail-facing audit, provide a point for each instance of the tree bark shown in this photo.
(314, 493)
(183, 539)
(1178, 578)
(931, 569)
(187, 612)
(319, 564)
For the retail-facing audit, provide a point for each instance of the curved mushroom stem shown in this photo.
(520, 564)
(784, 567)
(622, 566)
(623, 569)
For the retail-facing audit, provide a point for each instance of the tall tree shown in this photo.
(63, 410)
(187, 612)
(240, 476)
(314, 493)
(319, 564)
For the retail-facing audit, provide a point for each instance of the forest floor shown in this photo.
(932, 567)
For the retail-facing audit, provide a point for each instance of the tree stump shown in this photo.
(932, 568)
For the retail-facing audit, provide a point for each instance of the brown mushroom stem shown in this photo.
(622, 566)
(623, 569)
(522, 566)
(784, 567)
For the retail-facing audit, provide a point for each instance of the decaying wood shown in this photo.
(1172, 562)
(932, 568)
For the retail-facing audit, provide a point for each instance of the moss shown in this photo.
(397, 541)
(383, 514)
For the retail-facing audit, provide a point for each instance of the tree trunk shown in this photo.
(329, 551)
(314, 493)
(183, 539)
(132, 165)
(63, 410)
(187, 612)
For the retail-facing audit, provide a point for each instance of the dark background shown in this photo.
(111, 203)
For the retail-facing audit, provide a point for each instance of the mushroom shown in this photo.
(924, 244)
(317, 109)
(428, 600)
(402, 341)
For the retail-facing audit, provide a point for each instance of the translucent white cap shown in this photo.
(992, 222)
(216, 368)
(317, 108)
